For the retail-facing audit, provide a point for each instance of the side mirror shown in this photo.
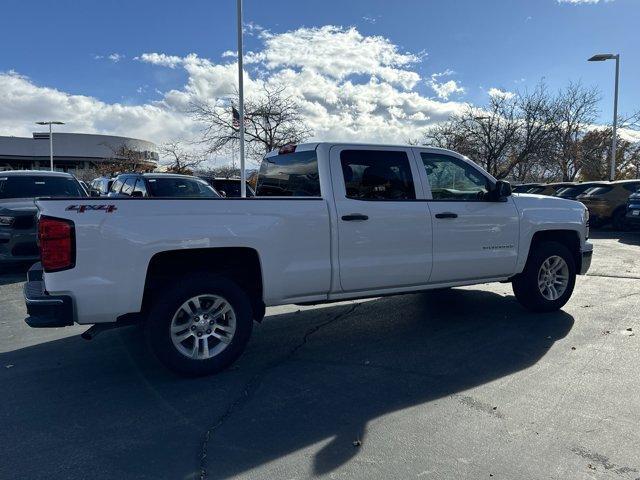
(137, 194)
(501, 191)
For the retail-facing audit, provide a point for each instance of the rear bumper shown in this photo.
(587, 255)
(45, 311)
(18, 246)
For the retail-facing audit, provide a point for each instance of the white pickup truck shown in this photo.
(330, 222)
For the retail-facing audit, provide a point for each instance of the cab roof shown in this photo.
(301, 147)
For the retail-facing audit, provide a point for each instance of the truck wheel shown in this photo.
(200, 325)
(547, 282)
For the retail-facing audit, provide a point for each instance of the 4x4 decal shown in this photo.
(84, 208)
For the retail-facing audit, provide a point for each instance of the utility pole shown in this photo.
(243, 174)
(50, 123)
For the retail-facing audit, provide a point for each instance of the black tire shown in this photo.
(525, 285)
(174, 295)
(619, 221)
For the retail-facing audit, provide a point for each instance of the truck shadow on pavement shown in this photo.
(311, 379)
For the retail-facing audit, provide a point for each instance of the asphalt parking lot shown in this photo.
(444, 385)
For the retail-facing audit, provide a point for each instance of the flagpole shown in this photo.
(243, 175)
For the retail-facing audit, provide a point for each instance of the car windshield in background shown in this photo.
(24, 186)
(180, 187)
(569, 192)
(598, 190)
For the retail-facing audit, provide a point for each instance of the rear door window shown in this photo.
(377, 175)
(289, 175)
(116, 186)
(141, 187)
(128, 186)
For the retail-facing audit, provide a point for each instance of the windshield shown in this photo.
(25, 186)
(180, 187)
(597, 190)
(573, 191)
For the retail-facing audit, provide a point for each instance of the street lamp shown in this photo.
(50, 139)
(601, 58)
(243, 174)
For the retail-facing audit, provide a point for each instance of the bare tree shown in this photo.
(178, 159)
(123, 159)
(488, 136)
(223, 171)
(595, 152)
(575, 110)
(272, 119)
(530, 157)
(532, 135)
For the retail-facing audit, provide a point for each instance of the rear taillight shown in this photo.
(57, 244)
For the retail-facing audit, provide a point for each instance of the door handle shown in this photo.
(354, 217)
(446, 215)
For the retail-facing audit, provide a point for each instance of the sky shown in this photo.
(365, 70)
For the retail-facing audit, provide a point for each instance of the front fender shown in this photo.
(542, 214)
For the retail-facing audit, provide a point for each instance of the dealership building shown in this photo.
(75, 152)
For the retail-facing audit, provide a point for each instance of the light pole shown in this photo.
(243, 175)
(50, 139)
(601, 58)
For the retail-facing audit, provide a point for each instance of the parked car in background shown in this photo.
(572, 192)
(523, 187)
(227, 187)
(608, 203)
(547, 188)
(101, 186)
(166, 185)
(633, 210)
(18, 189)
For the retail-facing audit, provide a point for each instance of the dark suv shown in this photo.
(227, 187)
(18, 189)
(166, 185)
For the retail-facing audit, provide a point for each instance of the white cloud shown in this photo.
(161, 59)
(497, 92)
(23, 103)
(444, 89)
(115, 57)
(337, 52)
(350, 87)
